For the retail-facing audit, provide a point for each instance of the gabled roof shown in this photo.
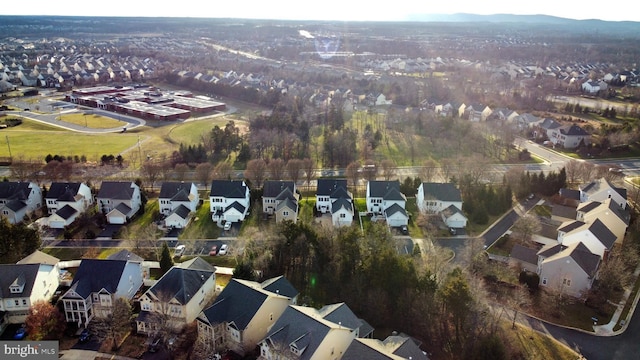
(588, 206)
(16, 205)
(125, 255)
(405, 346)
(562, 211)
(549, 124)
(180, 284)
(285, 194)
(25, 274)
(273, 188)
(123, 208)
(441, 191)
(39, 257)
(570, 193)
(280, 285)
(525, 254)
(58, 190)
(341, 193)
(342, 203)
(182, 211)
(573, 130)
(94, 275)
(14, 190)
(326, 186)
(197, 263)
(233, 189)
(388, 190)
(393, 209)
(236, 205)
(288, 204)
(66, 212)
(452, 210)
(238, 303)
(341, 314)
(370, 349)
(176, 191)
(602, 184)
(117, 190)
(602, 232)
(587, 261)
(569, 226)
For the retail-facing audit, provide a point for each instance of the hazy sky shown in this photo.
(356, 10)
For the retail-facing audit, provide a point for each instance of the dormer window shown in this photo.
(16, 289)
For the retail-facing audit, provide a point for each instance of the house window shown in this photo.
(17, 302)
(285, 213)
(342, 216)
(566, 282)
(24, 302)
(544, 281)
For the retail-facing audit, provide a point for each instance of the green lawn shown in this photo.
(92, 121)
(36, 144)
(542, 210)
(201, 227)
(191, 132)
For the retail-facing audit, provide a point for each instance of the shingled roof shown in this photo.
(180, 283)
(233, 189)
(326, 186)
(176, 191)
(118, 190)
(96, 274)
(441, 191)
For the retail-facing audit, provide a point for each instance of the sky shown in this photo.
(341, 10)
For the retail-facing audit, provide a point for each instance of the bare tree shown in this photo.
(181, 171)
(448, 167)
(256, 171)
(429, 170)
(520, 299)
(353, 174)
(526, 226)
(203, 173)
(370, 170)
(116, 325)
(276, 169)
(294, 169)
(309, 170)
(572, 169)
(21, 168)
(586, 171)
(389, 169)
(151, 170)
(222, 171)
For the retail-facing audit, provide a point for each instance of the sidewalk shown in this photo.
(607, 329)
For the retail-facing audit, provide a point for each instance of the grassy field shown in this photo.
(536, 346)
(201, 227)
(92, 121)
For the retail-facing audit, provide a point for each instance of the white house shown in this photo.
(394, 347)
(396, 216)
(601, 190)
(174, 194)
(444, 199)
(65, 201)
(333, 197)
(275, 191)
(325, 188)
(569, 136)
(229, 200)
(21, 285)
(342, 212)
(119, 201)
(177, 297)
(611, 214)
(17, 199)
(243, 313)
(383, 194)
(95, 287)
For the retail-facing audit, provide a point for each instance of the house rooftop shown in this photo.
(326, 186)
(180, 283)
(234, 189)
(441, 191)
(118, 190)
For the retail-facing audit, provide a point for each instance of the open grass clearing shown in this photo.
(535, 346)
(92, 121)
(201, 226)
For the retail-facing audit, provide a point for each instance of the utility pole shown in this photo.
(9, 146)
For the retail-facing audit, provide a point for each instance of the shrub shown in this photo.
(531, 279)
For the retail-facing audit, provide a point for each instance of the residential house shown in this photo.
(596, 236)
(17, 199)
(177, 200)
(601, 189)
(546, 129)
(383, 194)
(477, 112)
(287, 208)
(569, 136)
(274, 190)
(527, 120)
(524, 258)
(568, 269)
(562, 213)
(612, 216)
(95, 287)
(178, 297)
(145, 266)
(306, 333)
(394, 347)
(65, 201)
(21, 285)
(593, 86)
(119, 201)
(504, 115)
(243, 313)
(333, 197)
(229, 200)
(444, 199)
(396, 216)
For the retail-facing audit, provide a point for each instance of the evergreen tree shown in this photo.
(166, 262)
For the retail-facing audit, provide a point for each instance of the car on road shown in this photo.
(20, 334)
(213, 251)
(227, 226)
(404, 230)
(85, 336)
(179, 251)
(223, 249)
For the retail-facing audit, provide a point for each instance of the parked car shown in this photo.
(20, 334)
(85, 336)
(404, 230)
(227, 226)
(223, 249)
(214, 250)
(179, 251)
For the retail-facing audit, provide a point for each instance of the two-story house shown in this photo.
(614, 217)
(243, 312)
(119, 201)
(276, 191)
(229, 200)
(176, 201)
(177, 298)
(595, 235)
(568, 269)
(21, 285)
(601, 190)
(66, 201)
(307, 333)
(95, 287)
(333, 197)
(569, 136)
(17, 199)
(444, 199)
(394, 347)
(383, 194)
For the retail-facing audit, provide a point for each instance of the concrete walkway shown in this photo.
(607, 329)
